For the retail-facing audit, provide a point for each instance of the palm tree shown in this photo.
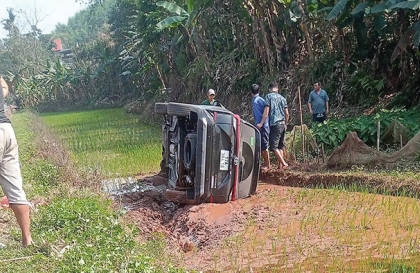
(9, 23)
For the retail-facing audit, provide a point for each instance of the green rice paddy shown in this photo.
(108, 141)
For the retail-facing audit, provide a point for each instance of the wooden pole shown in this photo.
(317, 154)
(378, 135)
(308, 155)
(301, 125)
(303, 147)
(401, 141)
(323, 153)
(293, 144)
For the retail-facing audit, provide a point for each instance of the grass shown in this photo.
(75, 228)
(108, 141)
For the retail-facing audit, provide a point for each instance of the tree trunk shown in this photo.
(260, 18)
(278, 43)
(305, 28)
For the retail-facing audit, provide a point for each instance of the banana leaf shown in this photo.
(360, 8)
(173, 8)
(170, 22)
(339, 7)
(407, 5)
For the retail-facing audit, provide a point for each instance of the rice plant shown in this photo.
(108, 141)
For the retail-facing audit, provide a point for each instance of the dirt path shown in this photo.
(282, 226)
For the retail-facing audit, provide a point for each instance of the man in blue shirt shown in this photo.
(278, 117)
(258, 106)
(318, 103)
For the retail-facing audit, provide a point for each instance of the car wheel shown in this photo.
(161, 108)
(179, 109)
(190, 150)
(247, 161)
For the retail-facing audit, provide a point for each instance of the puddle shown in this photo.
(120, 186)
(129, 191)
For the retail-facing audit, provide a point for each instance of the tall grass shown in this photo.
(109, 141)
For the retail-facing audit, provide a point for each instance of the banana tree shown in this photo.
(347, 11)
(412, 34)
(184, 20)
(350, 12)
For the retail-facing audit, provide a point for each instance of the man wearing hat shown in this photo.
(210, 99)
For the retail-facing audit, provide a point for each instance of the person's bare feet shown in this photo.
(27, 241)
(282, 167)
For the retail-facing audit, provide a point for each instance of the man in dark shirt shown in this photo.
(211, 94)
(10, 175)
(278, 117)
(318, 103)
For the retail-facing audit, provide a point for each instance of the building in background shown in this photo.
(66, 55)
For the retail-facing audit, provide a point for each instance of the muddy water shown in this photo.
(128, 190)
(121, 186)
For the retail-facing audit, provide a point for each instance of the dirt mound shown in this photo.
(151, 211)
(201, 226)
(189, 227)
(353, 151)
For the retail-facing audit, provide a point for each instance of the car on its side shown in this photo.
(210, 154)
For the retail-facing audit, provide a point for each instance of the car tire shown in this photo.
(161, 108)
(190, 151)
(179, 109)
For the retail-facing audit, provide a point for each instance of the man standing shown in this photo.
(211, 94)
(318, 103)
(278, 118)
(10, 175)
(258, 106)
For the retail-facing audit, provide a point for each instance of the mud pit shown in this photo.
(283, 227)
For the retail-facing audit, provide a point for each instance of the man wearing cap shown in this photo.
(210, 99)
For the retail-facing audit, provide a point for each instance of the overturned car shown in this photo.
(209, 153)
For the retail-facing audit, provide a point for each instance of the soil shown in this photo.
(244, 235)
